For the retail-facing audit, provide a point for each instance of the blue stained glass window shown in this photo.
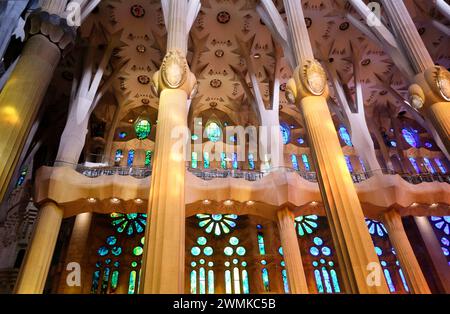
(405, 285)
(318, 279)
(301, 141)
(335, 281)
(130, 161)
(95, 280)
(251, 161)
(326, 278)
(223, 160)
(22, 177)
(440, 165)
(306, 162)
(285, 134)
(211, 281)
(363, 167)
(349, 163)
(194, 160)
(193, 282)
(245, 282)
(206, 160)
(428, 165)
(410, 137)
(376, 228)
(213, 132)
(235, 161)
(265, 278)
(414, 164)
(202, 280)
(236, 280)
(103, 251)
(306, 224)
(132, 282)
(261, 246)
(285, 281)
(294, 162)
(228, 281)
(345, 136)
(387, 275)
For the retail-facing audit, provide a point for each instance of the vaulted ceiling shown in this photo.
(222, 33)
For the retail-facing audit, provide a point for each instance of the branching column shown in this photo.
(34, 271)
(291, 252)
(23, 93)
(354, 246)
(163, 262)
(414, 276)
(431, 91)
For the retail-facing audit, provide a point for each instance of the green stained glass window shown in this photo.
(245, 283)
(206, 162)
(111, 240)
(137, 251)
(195, 251)
(134, 264)
(213, 132)
(193, 282)
(114, 279)
(208, 251)
(148, 158)
(261, 246)
(194, 160)
(234, 241)
(240, 251)
(217, 223)
(142, 129)
(306, 224)
(132, 223)
(116, 251)
(228, 251)
(103, 251)
(132, 282)
(201, 240)
(265, 279)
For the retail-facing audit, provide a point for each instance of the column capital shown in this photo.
(393, 219)
(309, 79)
(430, 87)
(52, 26)
(174, 74)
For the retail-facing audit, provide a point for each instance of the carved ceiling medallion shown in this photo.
(137, 10)
(314, 77)
(143, 79)
(223, 17)
(215, 83)
(174, 69)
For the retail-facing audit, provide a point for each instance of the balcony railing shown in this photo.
(249, 175)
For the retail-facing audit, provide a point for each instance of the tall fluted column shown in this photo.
(163, 261)
(434, 250)
(22, 95)
(414, 276)
(431, 92)
(36, 265)
(309, 88)
(291, 252)
(75, 253)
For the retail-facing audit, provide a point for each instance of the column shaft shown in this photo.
(413, 273)
(20, 100)
(434, 250)
(352, 240)
(36, 265)
(291, 251)
(439, 114)
(163, 263)
(75, 252)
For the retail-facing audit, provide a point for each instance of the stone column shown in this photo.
(309, 89)
(163, 260)
(35, 268)
(414, 276)
(292, 258)
(434, 250)
(22, 95)
(75, 253)
(431, 92)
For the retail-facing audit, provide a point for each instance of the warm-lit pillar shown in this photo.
(35, 268)
(75, 253)
(414, 276)
(291, 252)
(309, 89)
(433, 247)
(431, 93)
(25, 89)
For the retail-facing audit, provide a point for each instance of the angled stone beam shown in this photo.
(443, 7)
(193, 10)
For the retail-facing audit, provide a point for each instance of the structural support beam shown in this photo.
(35, 268)
(434, 250)
(414, 276)
(164, 250)
(291, 252)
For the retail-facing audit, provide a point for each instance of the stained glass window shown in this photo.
(306, 224)
(428, 165)
(119, 155)
(194, 160)
(363, 167)
(345, 136)
(441, 225)
(131, 223)
(285, 134)
(410, 137)
(251, 161)
(235, 161)
(261, 246)
(217, 223)
(440, 165)
(306, 162)
(283, 272)
(130, 161)
(414, 164)
(223, 160)
(201, 265)
(213, 132)
(376, 227)
(206, 160)
(294, 162)
(23, 175)
(234, 283)
(265, 278)
(324, 273)
(142, 129)
(349, 163)
(148, 158)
